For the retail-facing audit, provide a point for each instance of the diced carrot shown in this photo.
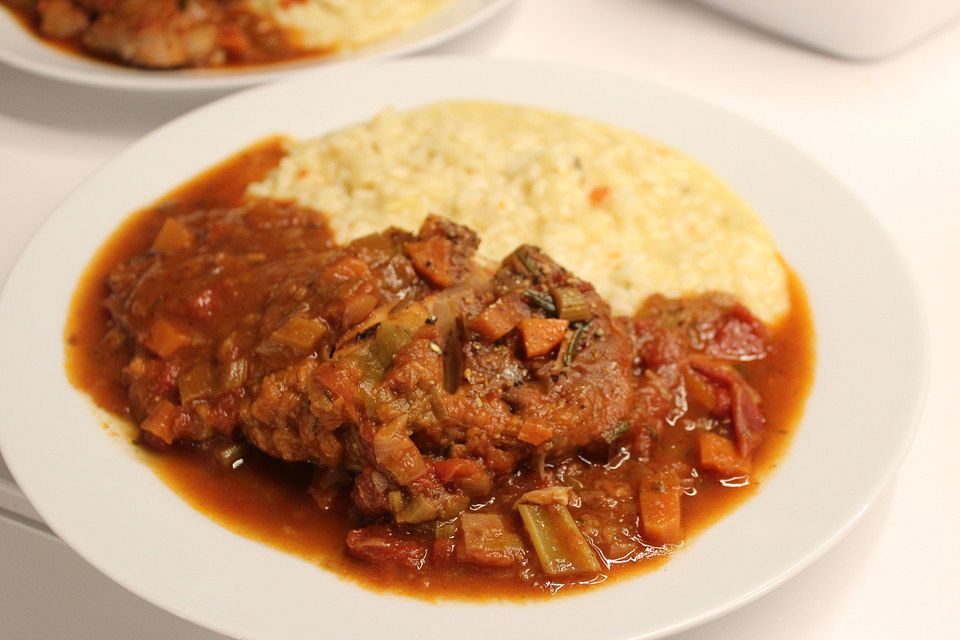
(432, 259)
(535, 432)
(498, 319)
(300, 333)
(358, 308)
(541, 335)
(599, 194)
(346, 269)
(165, 339)
(455, 468)
(162, 421)
(720, 455)
(699, 390)
(491, 325)
(660, 495)
(173, 238)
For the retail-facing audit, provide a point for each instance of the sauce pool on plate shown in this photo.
(269, 500)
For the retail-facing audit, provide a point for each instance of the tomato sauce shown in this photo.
(267, 500)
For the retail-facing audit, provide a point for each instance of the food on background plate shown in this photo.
(165, 34)
(403, 409)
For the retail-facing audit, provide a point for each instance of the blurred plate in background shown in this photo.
(19, 48)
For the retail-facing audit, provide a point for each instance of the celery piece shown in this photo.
(389, 339)
(571, 304)
(559, 543)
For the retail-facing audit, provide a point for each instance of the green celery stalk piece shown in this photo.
(558, 541)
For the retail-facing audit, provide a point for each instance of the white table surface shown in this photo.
(890, 130)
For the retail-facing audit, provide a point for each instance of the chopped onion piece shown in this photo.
(196, 383)
(235, 374)
(418, 510)
(548, 495)
(488, 541)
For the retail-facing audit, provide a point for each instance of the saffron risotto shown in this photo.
(625, 213)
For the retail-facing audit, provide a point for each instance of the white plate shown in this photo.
(859, 420)
(20, 48)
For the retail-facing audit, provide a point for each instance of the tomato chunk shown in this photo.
(379, 543)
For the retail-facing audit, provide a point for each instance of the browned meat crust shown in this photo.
(401, 361)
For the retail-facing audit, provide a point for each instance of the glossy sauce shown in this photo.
(267, 500)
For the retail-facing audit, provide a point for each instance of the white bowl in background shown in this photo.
(859, 29)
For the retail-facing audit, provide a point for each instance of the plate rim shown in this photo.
(918, 308)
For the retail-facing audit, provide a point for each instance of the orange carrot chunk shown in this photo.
(541, 335)
(300, 333)
(599, 194)
(500, 318)
(720, 455)
(456, 468)
(494, 323)
(173, 238)
(162, 420)
(432, 259)
(660, 495)
(535, 432)
(165, 339)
